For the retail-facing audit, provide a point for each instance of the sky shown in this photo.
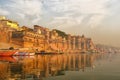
(98, 19)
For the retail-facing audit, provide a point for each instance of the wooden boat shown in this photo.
(46, 53)
(30, 54)
(83, 51)
(24, 54)
(41, 52)
(7, 53)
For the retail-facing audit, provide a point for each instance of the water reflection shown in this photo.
(38, 67)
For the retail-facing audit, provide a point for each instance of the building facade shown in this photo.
(42, 38)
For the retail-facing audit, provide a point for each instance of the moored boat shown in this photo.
(31, 54)
(83, 51)
(24, 54)
(7, 53)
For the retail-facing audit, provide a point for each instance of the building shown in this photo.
(8, 23)
(28, 39)
(41, 38)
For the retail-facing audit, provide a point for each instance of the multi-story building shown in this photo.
(27, 38)
(6, 28)
(9, 23)
(41, 38)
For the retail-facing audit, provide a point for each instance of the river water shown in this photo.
(61, 67)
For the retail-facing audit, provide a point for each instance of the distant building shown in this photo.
(28, 39)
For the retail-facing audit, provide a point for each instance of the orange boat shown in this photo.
(7, 53)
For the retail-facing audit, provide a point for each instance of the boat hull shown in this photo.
(7, 53)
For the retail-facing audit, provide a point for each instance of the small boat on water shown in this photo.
(47, 53)
(31, 54)
(24, 54)
(7, 53)
(41, 52)
(83, 51)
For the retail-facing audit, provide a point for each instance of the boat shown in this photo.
(24, 54)
(31, 54)
(7, 53)
(83, 51)
(41, 52)
(45, 53)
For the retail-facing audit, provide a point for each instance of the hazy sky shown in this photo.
(98, 19)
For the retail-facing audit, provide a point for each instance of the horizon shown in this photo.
(93, 18)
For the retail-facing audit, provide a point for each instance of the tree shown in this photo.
(61, 33)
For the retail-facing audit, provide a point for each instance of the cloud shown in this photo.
(79, 6)
(3, 11)
(28, 7)
(95, 20)
(78, 10)
(66, 21)
(63, 13)
(28, 10)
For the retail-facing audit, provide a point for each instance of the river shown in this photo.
(92, 66)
